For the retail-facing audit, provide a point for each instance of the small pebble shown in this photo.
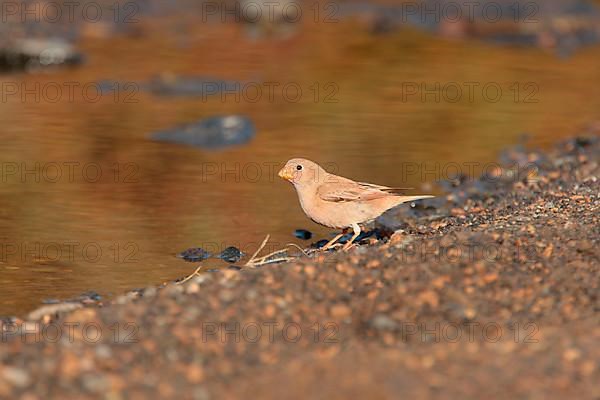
(383, 323)
(16, 376)
(231, 255)
(194, 254)
(303, 234)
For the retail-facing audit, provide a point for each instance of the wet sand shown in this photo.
(492, 290)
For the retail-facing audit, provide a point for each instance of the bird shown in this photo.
(337, 202)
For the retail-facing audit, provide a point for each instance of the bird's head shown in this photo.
(301, 172)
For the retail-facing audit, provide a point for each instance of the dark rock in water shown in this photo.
(212, 133)
(170, 85)
(319, 244)
(302, 234)
(28, 54)
(212, 270)
(561, 25)
(194, 255)
(234, 268)
(50, 301)
(231, 255)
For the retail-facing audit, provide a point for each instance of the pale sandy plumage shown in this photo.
(338, 202)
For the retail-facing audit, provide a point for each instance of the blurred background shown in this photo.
(134, 130)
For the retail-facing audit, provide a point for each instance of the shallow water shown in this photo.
(65, 230)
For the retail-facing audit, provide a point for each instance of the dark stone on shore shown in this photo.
(303, 234)
(344, 239)
(373, 233)
(194, 254)
(231, 255)
(212, 133)
(319, 244)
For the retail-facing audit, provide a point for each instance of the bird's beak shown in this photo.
(285, 174)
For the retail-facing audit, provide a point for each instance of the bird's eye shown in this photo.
(299, 167)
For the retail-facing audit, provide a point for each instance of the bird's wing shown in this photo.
(342, 189)
(385, 189)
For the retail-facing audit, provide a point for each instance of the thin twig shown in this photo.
(299, 248)
(268, 259)
(264, 243)
(187, 278)
(285, 250)
(271, 261)
(269, 255)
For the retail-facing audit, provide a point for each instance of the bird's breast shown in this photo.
(335, 215)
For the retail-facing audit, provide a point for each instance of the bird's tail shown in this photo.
(406, 199)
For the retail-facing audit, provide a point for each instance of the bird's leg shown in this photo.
(356, 229)
(335, 239)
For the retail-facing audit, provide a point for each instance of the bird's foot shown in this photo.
(350, 242)
(349, 246)
(332, 242)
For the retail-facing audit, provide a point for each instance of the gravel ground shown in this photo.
(491, 291)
